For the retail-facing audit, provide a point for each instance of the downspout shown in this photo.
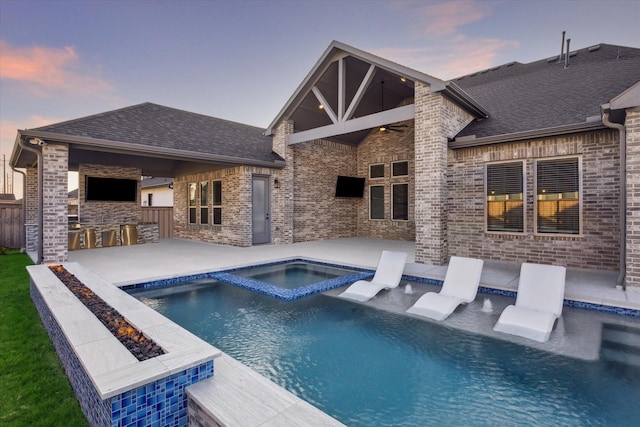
(623, 197)
(24, 206)
(38, 153)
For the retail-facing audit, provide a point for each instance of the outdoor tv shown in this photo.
(110, 189)
(349, 186)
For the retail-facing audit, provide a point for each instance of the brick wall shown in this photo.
(236, 206)
(598, 247)
(385, 148)
(318, 214)
(632, 124)
(436, 119)
(283, 198)
(55, 162)
(31, 210)
(108, 212)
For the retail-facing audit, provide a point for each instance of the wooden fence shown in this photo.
(163, 216)
(11, 229)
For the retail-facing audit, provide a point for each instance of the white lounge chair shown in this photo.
(460, 287)
(388, 275)
(538, 303)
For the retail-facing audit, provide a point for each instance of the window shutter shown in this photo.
(558, 196)
(505, 192)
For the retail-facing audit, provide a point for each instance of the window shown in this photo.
(150, 199)
(558, 196)
(217, 202)
(505, 197)
(400, 197)
(376, 202)
(376, 171)
(192, 202)
(400, 168)
(204, 208)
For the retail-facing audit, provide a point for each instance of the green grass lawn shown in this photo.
(34, 390)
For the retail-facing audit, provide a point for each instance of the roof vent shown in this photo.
(594, 48)
(566, 57)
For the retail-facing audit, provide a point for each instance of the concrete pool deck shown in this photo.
(169, 258)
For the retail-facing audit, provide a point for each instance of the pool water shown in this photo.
(366, 367)
(292, 275)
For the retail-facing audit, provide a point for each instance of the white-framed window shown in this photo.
(217, 202)
(400, 202)
(400, 168)
(192, 194)
(504, 190)
(376, 202)
(558, 190)
(204, 206)
(376, 171)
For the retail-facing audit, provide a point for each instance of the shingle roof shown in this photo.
(543, 94)
(159, 126)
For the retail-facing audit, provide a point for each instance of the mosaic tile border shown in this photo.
(160, 403)
(226, 276)
(512, 294)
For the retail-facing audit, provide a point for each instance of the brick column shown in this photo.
(31, 210)
(283, 197)
(632, 124)
(430, 177)
(55, 168)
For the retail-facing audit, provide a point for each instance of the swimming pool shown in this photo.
(366, 367)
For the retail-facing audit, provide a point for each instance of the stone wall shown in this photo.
(108, 212)
(55, 163)
(599, 245)
(632, 124)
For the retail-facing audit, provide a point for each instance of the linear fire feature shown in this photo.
(113, 387)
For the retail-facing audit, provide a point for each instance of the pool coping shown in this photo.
(110, 366)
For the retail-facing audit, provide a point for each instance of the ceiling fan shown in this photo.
(389, 127)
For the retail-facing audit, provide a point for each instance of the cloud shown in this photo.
(44, 70)
(445, 51)
(443, 19)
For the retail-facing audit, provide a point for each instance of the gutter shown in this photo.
(623, 196)
(23, 220)
(38, 153)
(137, 149)
(471, 141)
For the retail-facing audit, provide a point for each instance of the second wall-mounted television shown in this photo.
(110, 189)
(349, 186)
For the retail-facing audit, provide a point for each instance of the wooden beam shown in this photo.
(341, 89)
(371, 121)
(360, 93)
(325, 104)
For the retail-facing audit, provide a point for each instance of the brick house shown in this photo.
(530, 162)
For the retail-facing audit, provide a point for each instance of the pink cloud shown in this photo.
(45, 69)
(444, 51)
(443, 19)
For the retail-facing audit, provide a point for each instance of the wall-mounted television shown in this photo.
(349, 186)
(110, 189)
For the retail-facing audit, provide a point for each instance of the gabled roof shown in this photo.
(544, 94)
(372, 83)
(150, 128)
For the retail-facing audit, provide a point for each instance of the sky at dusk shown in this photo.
(242, 60)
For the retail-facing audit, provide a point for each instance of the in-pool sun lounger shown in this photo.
(388, 275)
